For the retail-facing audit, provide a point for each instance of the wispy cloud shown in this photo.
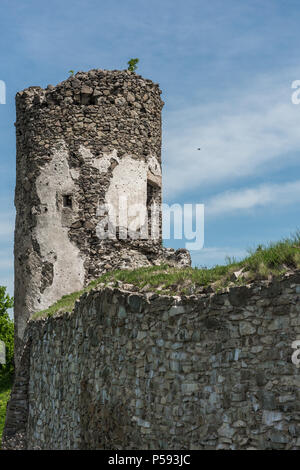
(248, 198)
(254, 131)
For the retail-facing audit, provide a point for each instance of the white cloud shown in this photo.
(249, 198)
(251, 132)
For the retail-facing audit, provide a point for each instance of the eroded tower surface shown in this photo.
(87, 143)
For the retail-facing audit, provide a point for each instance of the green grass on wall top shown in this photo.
(265, 262)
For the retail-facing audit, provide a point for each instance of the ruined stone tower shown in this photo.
(80, 145)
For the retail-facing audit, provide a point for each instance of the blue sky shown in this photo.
(225, 68)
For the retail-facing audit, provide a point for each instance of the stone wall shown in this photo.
(15, 431)
(141, 371)
(81, 144)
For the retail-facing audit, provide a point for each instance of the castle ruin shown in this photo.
(87, 142)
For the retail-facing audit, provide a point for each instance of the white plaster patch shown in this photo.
(85, 153)
(74, 172)
(129, 183)
(55, 179)
(154, 166)
(101, 163)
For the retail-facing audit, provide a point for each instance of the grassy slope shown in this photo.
(271, 260)
(5, 388)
